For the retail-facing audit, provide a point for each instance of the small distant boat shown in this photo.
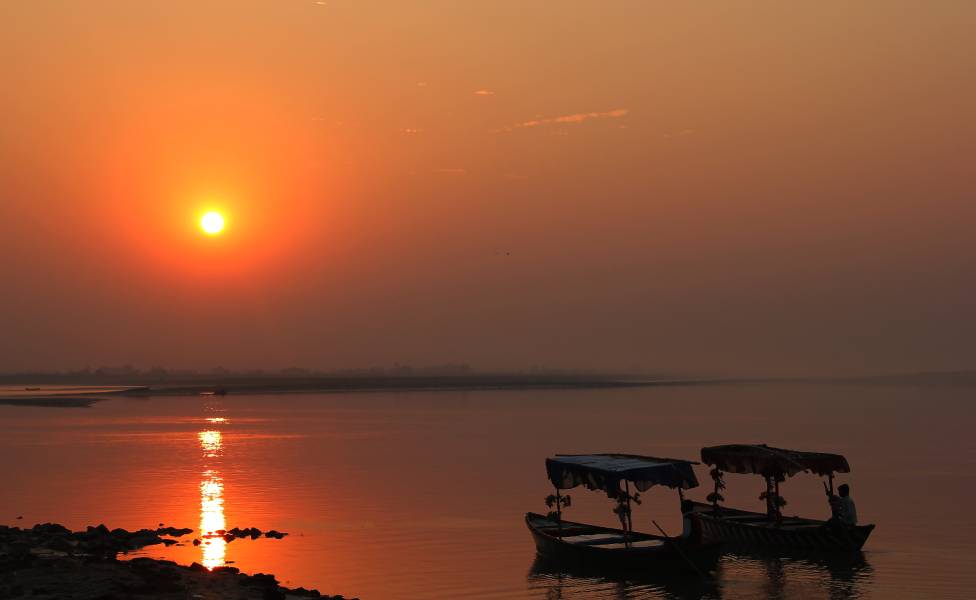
(773, 530)
(216, 392)
(581, 545)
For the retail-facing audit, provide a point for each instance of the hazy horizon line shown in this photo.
(463, 370)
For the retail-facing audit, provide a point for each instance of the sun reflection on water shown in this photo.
(212, 443)
(213, 546)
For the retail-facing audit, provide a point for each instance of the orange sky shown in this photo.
(705, 187)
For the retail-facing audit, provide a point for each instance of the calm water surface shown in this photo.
(421, 495)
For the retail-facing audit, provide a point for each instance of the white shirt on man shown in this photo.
(846, 511)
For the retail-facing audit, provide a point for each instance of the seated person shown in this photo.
(842, 506)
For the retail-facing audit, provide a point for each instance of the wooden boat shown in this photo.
(773, 530)
(216, 392)
(745, 528)
(581, 545)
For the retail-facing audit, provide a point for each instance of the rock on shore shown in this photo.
(50, 562)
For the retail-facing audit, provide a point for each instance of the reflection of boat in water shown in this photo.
(841, 575)
(772, 529)
(587, 546)
(849, 572)
(743, 572)
(559, 579)
(843, 565)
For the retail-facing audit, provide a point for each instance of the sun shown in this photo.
(212, 223)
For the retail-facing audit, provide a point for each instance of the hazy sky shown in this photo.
(736, 187)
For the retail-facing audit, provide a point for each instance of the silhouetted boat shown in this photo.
(581, 545)
(216, 392)
(772, 530)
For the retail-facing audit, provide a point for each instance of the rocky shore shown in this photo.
(49, 561)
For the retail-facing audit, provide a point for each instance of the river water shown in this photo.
(422, 494)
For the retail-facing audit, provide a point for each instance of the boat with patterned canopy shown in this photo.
(622, 477)
(772, 529)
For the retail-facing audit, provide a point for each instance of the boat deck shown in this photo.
(754, 519)
(581, 534)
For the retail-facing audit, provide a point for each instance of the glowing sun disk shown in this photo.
(212, 223)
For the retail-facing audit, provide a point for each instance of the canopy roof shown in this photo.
(772, 462)
(606, 471)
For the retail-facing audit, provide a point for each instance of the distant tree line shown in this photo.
(156, 374)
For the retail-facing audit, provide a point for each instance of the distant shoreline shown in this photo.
(235, 385)
(409, 383)
(282, 385)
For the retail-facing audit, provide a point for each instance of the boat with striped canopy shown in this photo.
(772, 529)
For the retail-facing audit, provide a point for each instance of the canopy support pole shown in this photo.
(830, 478)
(559, 511)
(630, 522)
(779, 513)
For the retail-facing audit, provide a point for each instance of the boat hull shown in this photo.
(739, 528)
(670, 554)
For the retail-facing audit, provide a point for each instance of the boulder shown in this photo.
(226, 569)
(262, 580)
(306, 593)
(51, 529)
(173, 531)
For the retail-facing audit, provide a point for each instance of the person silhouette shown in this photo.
(842, 506)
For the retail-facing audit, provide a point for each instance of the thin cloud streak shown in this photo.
(575, 118)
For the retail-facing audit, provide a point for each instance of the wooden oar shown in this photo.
(681, 552)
